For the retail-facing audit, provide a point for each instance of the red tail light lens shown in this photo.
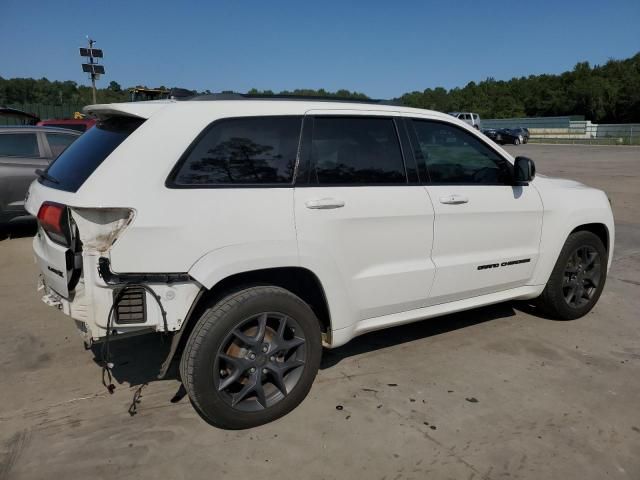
(54, 221)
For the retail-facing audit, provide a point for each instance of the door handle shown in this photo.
(324, 203)
(454, 199)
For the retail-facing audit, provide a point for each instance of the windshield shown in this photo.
(71, 169)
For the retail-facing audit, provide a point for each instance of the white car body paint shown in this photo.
(385, 255)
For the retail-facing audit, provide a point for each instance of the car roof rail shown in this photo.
(315, 98)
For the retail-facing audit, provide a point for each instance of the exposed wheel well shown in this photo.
(298, 280)
(598, 229)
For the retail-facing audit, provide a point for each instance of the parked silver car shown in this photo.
(23, 150)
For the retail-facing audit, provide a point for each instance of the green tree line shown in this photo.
(608, 93)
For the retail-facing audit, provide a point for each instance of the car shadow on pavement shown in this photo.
(415, 331)
(137, 360)
(18, 229)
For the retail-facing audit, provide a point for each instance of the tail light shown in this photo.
(54, 220)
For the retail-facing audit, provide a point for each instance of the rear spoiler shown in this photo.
(134, 109)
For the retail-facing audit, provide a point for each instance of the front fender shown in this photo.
(568, 206)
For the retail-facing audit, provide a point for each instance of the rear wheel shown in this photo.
(516, 141)
(252, 357)
(577, 279)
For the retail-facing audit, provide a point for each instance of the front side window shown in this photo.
(19, 145)
(58, 142)
(356, 150)
(451, 155)
(247, 151)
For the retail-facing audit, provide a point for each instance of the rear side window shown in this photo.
(58, 142)
(19, 145)
(242, 151)
(82, 157)
(356, 150)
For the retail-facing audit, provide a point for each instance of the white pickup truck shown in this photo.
(257, 231)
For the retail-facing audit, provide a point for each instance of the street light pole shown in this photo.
(93, 75)
(92, 67)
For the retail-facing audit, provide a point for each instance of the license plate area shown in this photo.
(53, 260)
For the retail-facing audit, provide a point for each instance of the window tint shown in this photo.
(19, 145)
(58, 142)
(255, 150)
(83, 156)
(348, 150)
(453, 156)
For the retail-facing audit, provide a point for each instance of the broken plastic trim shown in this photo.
(112, 278)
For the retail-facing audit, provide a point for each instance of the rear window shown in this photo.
(58, 142)
(83, 156)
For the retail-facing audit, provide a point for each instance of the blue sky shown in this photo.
(381, 48)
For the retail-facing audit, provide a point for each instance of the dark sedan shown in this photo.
(522, 133)
(514, 136)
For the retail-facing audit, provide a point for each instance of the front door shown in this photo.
(486, 230)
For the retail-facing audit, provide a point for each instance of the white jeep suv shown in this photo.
(257, 231)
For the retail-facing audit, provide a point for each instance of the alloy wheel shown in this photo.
(260, 361)
(581, 276)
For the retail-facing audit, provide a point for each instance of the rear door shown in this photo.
(21, 153)
(486, 230)
(361, 213)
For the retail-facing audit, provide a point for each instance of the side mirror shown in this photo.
(524, 170)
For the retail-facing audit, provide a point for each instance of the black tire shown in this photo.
(556, 299)
(525, 140)
(516, 141)
(218, 332)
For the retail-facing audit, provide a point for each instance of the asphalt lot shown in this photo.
(491, 393)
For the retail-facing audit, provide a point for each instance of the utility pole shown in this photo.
(92, 67)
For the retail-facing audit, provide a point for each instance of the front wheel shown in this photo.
(252, 357)
(516, 141)
(577, 279)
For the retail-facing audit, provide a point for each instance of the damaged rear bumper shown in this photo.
(92, 300)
